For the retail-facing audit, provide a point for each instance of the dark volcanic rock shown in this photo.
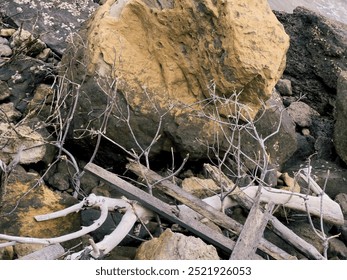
(51, 21)
(340, 132)
(317, 54)
(20, 77)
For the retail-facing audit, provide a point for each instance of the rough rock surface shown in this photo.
(20, 76)
(51, 21)
(301, 113)
(315, 57)
(340, 129)
(176, 246)
(171, 56)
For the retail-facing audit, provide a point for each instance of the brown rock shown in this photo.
(6, 253)
(176, 246)
(238, 46)
(22, 250)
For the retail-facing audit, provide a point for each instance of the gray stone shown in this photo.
(29, 148)
(340, 131)
(341, 199)
(336, 9)
(337, 248)
(336, 180)
(302, 113)
(5, 50)
(284, 87)
(282, 145)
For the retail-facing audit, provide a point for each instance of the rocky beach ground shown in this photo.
(72, 93)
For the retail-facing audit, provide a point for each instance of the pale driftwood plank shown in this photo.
(163, 209)
(202, 208)
(51, 252)
(252, 232)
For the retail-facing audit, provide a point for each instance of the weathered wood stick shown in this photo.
(253, 229)
(202, 207)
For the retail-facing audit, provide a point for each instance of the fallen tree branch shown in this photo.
(331, 211)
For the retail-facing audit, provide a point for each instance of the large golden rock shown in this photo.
(177, 49)
(147, 59)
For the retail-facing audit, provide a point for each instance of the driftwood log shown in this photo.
(246, 199)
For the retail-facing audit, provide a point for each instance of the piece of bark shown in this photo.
(253, 229)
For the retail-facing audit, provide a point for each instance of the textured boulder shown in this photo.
(315, 57)
(340, 130)
(176, 246)
(170, 56)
